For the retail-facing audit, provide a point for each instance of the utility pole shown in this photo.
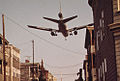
(4, 61)
(33, 58)
(61, 76)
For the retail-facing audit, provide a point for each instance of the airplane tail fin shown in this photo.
(70, 18)
(50, 19)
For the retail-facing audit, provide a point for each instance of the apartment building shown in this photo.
(12, 55)
(107, 38)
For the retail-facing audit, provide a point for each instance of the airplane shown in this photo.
(62, 28)
(61, 25)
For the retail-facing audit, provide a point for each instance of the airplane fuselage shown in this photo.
(63, 28)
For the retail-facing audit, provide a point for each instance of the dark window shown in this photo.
(31, 69)
(0, 40)
(36, 70)
(94, 60)
(6, 43)
(34, 80)
(0, 66)
(93, 37)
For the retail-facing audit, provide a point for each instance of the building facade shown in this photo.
(40, 73)
(107, 38)
(115, 28)
(12, 55)
(89, 62)
(26, 70)
(85, 67)
(51, 77)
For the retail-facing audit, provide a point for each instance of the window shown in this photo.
(102, 70)
(93, 37)
(0, 40)
(105, 65)
(118, 2)
(98, 74)
(93, 60)
(0, 66)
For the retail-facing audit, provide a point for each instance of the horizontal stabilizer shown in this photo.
(70, 18)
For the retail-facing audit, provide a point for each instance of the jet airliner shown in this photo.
(62, 28)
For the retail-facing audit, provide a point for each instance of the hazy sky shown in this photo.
(55, 51)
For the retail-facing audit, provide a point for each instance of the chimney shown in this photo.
(27, 61)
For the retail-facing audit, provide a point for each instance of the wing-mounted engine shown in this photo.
(75, 32)
(53, 33)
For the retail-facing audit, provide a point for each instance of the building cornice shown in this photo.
(115, 28)
(90, 2)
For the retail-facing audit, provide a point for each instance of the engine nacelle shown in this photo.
(53, 34)
(75, 32)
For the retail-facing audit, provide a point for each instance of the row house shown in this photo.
(106, 15)
(89, 62)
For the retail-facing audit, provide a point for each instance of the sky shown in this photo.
(60, 56)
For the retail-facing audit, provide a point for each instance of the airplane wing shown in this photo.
(50, 19)
(81, 27)
(68, 19)
(42, 28)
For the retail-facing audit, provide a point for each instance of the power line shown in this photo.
(62, 67)
(49, 42)
(66, 74)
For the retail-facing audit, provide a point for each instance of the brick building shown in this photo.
(107, 38)
(26, 70)
(40, 73)
(12, 55)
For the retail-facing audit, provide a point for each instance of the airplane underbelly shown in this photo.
(63, 30)
(65, 34)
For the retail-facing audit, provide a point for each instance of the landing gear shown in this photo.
(71, 33)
